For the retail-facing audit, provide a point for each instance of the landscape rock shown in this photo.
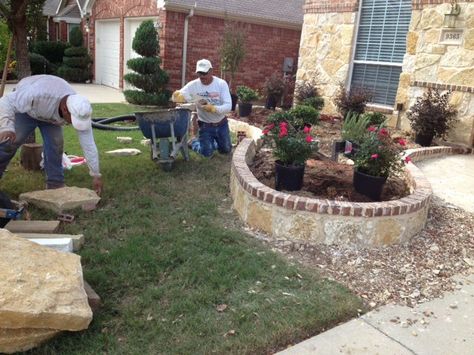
(63, 199)
(125, 140)
(124, 152)
(16, 340)
(40, 287)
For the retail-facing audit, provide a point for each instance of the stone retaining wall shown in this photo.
(286, 216)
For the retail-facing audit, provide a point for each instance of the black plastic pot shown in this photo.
(245, 109)
(272, 102)
(368, 185)
(288, 177)
(234, 101)
(424, 140)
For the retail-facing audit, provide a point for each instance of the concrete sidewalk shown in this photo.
(95, 93)
(441, 326)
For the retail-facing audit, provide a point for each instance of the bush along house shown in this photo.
(394, 49)
(190, 30)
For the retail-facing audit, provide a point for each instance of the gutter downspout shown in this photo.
(185, 45)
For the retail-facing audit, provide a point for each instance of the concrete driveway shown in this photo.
(95, 93)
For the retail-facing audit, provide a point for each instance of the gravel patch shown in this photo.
(407, 274)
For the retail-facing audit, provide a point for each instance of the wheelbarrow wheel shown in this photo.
(168, 166)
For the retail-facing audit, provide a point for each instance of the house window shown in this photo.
(56, 29)
(380, 47)
(70, 26)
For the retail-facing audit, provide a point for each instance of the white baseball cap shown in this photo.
(81, 112)
(203, 65)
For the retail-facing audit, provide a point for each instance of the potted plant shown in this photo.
(377, 158)
(232, 53)
(431, 116)
(353, 132)
(274, 88)
(291, 149)
(246, 97)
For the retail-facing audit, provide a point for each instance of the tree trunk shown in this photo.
(30, 156)
(18, 23)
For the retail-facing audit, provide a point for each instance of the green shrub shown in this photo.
(75, 37)
(246, 94)
(148, 76)
(278, 117)
(75, 75)
(75, 52)
(136, 97)
(52, 51)
(145, 65)
(375, 118)
(76, 61)
(148, 82)
(39, 64)
(146, 41)
(317, 102)
(354, 127)
(303, 115)
(5, 36)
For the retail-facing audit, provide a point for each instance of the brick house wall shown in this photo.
(266, 46)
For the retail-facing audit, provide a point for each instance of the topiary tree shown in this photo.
(76, 60)
(148, 76)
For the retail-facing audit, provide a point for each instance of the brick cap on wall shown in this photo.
(415, 201)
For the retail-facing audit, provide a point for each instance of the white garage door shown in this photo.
(107, 49)
(131, 26)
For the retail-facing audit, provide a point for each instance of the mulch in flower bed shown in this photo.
(325, 179)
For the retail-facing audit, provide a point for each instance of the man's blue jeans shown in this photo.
(212, 138)
(53, 143)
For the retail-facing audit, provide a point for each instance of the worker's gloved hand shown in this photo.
(209, 108)
(7, 136)
(178, 97)
(97, 184)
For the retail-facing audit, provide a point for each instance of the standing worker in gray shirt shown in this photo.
(47, 102)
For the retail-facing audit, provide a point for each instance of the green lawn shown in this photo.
(164, 250)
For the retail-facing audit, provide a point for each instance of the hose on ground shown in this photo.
(102, 123)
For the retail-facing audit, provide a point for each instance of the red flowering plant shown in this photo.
(379, 154)
(290, 145)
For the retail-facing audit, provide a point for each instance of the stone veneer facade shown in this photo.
(286, 216)
(327, 41)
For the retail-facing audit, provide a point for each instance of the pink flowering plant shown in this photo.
(379, 154)
(290, 145)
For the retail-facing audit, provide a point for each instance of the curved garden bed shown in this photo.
(286, 216)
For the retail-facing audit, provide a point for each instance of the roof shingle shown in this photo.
(283, 11)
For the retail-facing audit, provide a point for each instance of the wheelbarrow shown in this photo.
(167, 130)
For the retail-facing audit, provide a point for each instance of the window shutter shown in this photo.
(381, 40)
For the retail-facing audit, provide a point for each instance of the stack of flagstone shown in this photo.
(41, 293)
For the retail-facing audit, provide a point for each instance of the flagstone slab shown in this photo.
(63, 199)
(16, 340)
(40, 287)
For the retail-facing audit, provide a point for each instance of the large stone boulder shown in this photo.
(63, 199)
(41, 293)
(15, 340)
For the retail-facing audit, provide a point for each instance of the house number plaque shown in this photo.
(449, 36)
